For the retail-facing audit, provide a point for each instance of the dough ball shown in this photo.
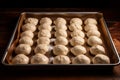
(39, 59)
(76, 21)
(32, 21)
(23, 48)
(27, 33)
(75, 26)
(101, 59)
(45, 26)
(20, 59)
(61, 59)
(60, 26)
(44, 33)
(77, 50)
(90, 21)
(61, 41)
(60, 20)
(29, 26)
(90, 27)
(77, 33)
(41, 48)
(43, 40)
(93, 40)
(93, 33)
(60, 50)
(46, 20)
(97, 49)
(61, 32)
(77, 41)
(81, 59)
(26, 40)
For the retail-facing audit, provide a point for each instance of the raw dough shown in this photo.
(60, 50)
(61, 59)
(77, 50)
(39, 59)
(81, 59)
(20, 59)
(23, 48)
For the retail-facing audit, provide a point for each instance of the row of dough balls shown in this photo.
(43, 48)
(60, 20)
(45, 27)
(60, 59)
(95, 42)
(60, 50)
(60, 32)
(93, 35)
(75, 23)
(44, 36)
(77, 34)
(77, 40)
(61, 41)
(43, 42)
(98, 59)
(45, 23)
(92, 32)
(36, 59)
(28, 28)
(44, 33)
(25, 41)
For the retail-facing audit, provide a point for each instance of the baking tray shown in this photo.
(105, 36)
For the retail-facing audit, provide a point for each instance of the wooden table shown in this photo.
(8, 20)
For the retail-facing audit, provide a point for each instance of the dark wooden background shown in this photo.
(8, 20)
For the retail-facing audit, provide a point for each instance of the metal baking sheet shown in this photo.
(105, 36)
